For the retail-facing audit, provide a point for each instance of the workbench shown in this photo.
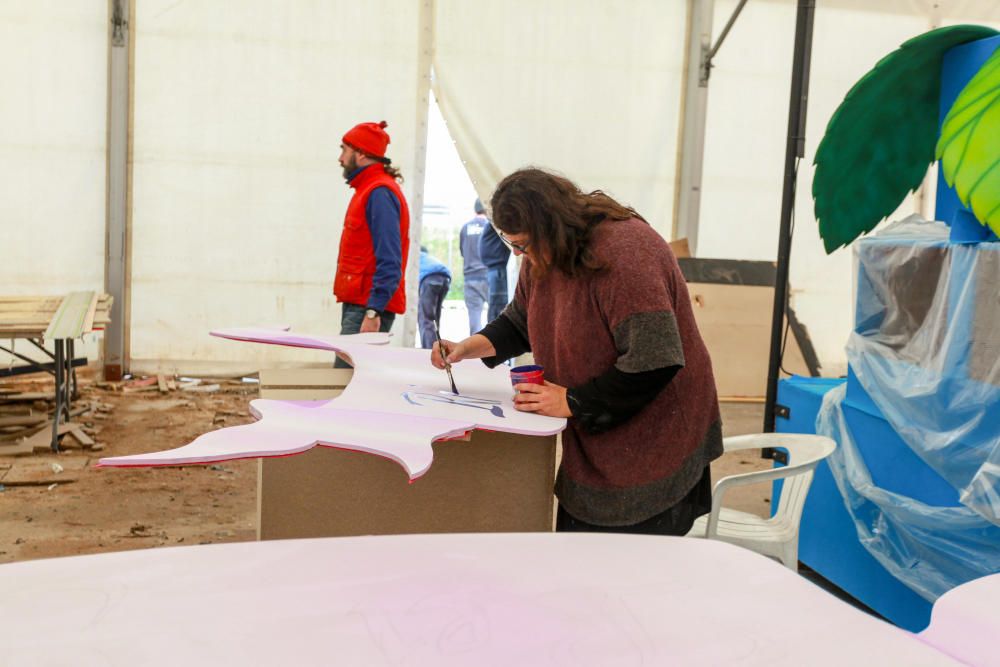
(60, 320)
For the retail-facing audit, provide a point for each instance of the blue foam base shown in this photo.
(828, 541)
(965, 228)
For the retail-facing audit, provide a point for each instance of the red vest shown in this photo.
(356, 262)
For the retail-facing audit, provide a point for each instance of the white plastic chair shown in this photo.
(777, 536)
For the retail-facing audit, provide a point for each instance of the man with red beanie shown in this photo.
(372, 260)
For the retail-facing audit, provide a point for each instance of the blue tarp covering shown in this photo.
(926, 353)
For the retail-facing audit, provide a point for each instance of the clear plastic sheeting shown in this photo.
(925, 351)
(930, 549)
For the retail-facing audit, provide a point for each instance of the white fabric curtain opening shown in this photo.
(588, 89)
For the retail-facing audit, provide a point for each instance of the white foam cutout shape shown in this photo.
(395, 406)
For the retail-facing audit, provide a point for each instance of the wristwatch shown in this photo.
(371, 313)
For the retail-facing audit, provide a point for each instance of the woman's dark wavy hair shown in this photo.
(557, 216)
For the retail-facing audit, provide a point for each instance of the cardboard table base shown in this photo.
(494, 482)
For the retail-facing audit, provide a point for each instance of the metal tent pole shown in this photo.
(794, 149)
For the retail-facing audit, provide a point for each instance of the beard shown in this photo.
(350, 166)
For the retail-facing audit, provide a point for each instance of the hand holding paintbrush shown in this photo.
(443, 351)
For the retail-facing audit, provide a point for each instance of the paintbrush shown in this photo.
(444, 354)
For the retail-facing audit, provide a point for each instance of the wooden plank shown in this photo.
(43, 436)
(68, 320)
(77, 434)
(27, 396)
(161, 382)
(24, 297)
(42, 441)
(15, 322)
(735, 324)
(12, 314)
(303, 383)
(23, 420)
(31, 316)
(143, 384)
(19, 448)
(288, 378)
(88, 319)
(24, 329)
(25, 319)
(38, 473)
(26, 432)
(50, 302)
(29, 304)
(26, 316)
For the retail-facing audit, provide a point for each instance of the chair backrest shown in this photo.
(805, 451)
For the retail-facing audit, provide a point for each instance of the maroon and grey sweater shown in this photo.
(629, 324)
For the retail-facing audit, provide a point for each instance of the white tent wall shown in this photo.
(53, 132)
(588, 88)
(592, 89)
(745, 146)
(238, 196)
(747, 125)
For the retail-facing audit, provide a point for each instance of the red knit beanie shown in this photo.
(370, 138)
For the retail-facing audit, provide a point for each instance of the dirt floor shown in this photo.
(62, 505)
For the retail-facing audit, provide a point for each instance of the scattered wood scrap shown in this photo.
(203, 388)
(142, 384)
(42, 440)
(19, 448)
(22, 420)
(43, 473)
(78, 434)
(25, 396)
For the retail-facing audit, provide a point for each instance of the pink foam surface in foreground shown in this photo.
(965, 622)
(395, 406)
(455, 599)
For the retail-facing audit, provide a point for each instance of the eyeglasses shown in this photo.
(513, 246)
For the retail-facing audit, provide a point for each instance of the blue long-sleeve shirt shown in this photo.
(382, 213)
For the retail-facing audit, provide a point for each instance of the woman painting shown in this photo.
(603, 306)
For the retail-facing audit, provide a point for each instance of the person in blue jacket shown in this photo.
(435, 281)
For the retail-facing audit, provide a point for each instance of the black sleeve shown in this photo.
(614, 396)
(508, 340)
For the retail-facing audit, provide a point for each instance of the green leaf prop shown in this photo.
(881, 139)
(969, 147)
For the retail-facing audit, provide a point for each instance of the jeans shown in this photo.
(433, 290)
(497, 279)
(351, 317)
(475, 299)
